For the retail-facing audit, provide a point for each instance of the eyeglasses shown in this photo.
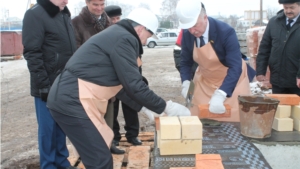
(149, 31)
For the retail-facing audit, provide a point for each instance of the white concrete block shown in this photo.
(170, 128)
(283, 124)
(191, 127)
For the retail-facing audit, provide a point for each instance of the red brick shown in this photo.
(205, 113)
(286, 99)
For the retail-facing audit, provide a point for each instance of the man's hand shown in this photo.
(260, 78)
(149, 113)
(216, 103)
(185, 88)
(44, 93)
(298, 83)
(175, 109)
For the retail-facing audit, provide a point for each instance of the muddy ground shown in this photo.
(18, 119)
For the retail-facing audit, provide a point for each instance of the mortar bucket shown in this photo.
(257, 115)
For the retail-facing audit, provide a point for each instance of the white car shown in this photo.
(164, 39)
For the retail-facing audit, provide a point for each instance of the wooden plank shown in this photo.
(118, 160)
(126, 144)
(138, 157)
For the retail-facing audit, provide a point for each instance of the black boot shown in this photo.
(115, 150)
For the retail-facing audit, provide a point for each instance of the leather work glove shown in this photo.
(44, 93)
(148, 113)
(216, 103)
(185, 88)
(175, 109)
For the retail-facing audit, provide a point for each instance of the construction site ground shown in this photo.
(19, 146)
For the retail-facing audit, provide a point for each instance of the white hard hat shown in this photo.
(146, 18)
(188, 12)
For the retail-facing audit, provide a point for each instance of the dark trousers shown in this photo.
(51, 139)
(280, 90)
(131, 121)
(87, 140)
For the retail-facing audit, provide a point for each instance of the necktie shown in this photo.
(202, 43)
(288, 26)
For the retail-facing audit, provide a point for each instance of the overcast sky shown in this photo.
(17, 8)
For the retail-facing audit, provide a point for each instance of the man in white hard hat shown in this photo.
(130, 116)
(98, 71)
(221, 74)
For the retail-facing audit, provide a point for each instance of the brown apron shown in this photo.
(209, 76)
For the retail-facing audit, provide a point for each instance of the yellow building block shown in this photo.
(283, 111)
(170, 128)
(175, 147)
(191, 127)
(283, 124)
(296, 124)
(296, 112)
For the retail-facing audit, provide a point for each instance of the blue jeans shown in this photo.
(52, 140)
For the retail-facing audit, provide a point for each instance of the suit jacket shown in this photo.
(227, 48)
(85, 26)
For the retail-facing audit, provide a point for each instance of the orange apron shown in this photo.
(94, 99)
(209, 76)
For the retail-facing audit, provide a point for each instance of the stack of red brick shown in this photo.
(254, 37)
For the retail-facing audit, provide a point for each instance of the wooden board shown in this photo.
(135, 157)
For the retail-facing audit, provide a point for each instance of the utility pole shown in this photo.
(261, 12)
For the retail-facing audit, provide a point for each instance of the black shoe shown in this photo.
(115, 150)
(134, 141)
(115, 142)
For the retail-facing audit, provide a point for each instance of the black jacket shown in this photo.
(280, 50)
(108, 58)
(49, 42)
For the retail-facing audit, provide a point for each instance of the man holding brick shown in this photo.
(130, 116)
(222, 74)
(279, 49)
(97, 72)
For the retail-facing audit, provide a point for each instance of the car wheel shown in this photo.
(151, 44)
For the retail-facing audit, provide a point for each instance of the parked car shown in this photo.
(164, 39)
(159, 30)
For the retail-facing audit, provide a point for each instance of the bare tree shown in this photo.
(271, 12)
(168, 12)
(144, 5)
(4, 13)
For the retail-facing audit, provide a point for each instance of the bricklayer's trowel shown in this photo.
(189, 96)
